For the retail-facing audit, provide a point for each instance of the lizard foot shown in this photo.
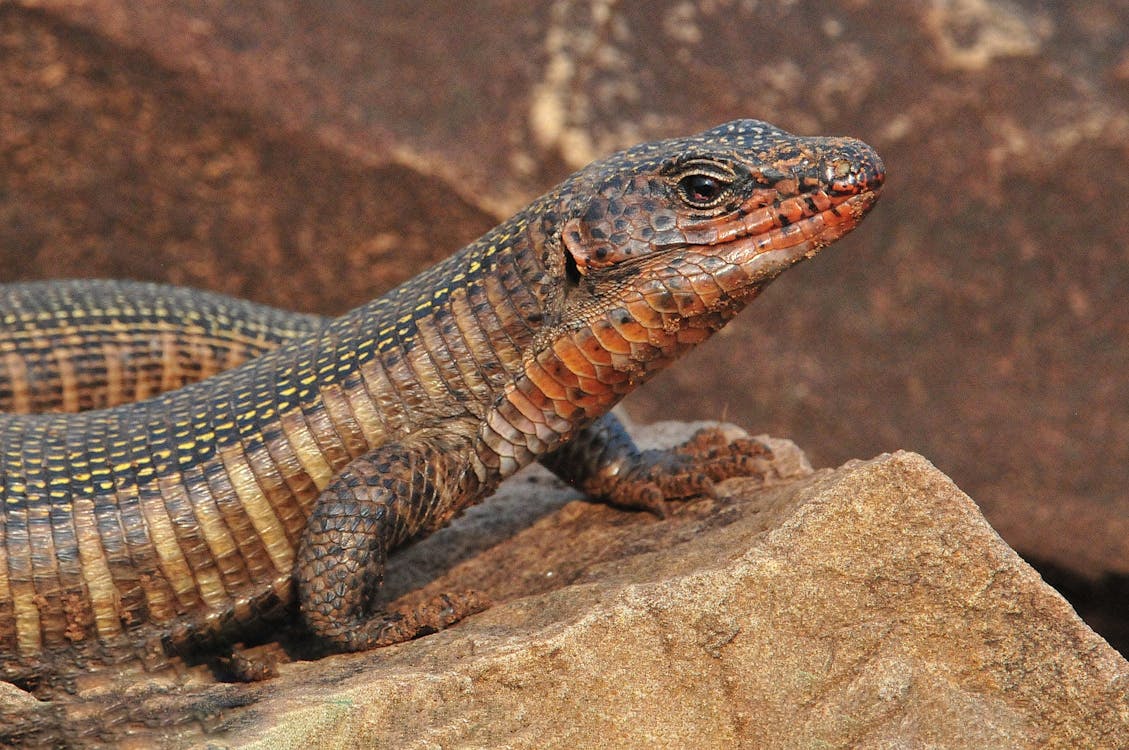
(241, 666)
(396, 626)
(688, 470)
(435, 614)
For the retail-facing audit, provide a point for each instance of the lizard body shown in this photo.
(137, 530)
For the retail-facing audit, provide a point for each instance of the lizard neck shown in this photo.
(444, 344)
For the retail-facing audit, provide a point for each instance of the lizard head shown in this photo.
(698, 224)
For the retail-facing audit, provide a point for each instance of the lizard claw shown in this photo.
(435, 614)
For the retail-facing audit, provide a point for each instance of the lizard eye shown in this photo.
(701, 190)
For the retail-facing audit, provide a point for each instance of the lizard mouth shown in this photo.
(755, 247)
(799, 226)
(721, 265)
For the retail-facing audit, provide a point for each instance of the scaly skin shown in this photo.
(137, 530)
(83, 344)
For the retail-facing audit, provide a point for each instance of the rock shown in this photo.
(977, 316)
(312, 159)
(112, 166)
(868, 606)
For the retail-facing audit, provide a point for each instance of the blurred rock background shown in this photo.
(312, 156)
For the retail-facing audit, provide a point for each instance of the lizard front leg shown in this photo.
(603, 461)
(377, 502)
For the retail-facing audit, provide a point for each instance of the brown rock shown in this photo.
(870, 606)
(978, 317)
(867, 607)
(112, 166)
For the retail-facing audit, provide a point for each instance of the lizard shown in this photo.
(136, 530)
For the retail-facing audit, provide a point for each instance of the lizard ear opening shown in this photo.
(572, 271)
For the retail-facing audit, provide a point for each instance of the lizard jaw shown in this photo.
(762, 255)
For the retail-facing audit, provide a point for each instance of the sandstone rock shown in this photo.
(1003, 125)
(865, 607)
(314, 158)
(112, 166)
(868, 606)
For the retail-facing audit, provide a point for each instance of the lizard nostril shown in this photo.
(846, 176)
(771, 176)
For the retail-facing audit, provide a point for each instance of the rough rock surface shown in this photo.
(314, 158)
(866, 607)
(112, 166)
